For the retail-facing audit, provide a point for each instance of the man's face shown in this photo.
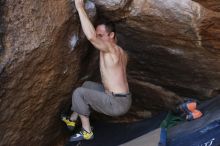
(102, 33)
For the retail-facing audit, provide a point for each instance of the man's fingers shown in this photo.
(79, 2)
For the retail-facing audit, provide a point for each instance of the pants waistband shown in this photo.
(118, 94)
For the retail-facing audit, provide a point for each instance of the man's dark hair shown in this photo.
(110, 26)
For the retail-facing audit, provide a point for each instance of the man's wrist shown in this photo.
(80, 9)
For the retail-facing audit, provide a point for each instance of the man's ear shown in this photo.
(112, 35)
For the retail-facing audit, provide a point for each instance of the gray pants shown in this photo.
(93, 95)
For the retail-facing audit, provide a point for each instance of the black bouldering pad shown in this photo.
(150, 139)
(201, 132)
(112, 134)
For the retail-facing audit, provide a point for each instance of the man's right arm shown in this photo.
(89, 29)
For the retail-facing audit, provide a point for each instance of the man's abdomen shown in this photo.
(115, 83)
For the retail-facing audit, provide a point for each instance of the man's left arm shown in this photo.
(88, 28)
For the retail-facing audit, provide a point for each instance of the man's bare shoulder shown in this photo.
(123, 52)
(114, 48)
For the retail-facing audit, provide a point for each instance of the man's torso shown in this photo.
(113, 70)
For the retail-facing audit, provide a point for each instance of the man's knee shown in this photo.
(77, 97)
(79, 104)
(77, 93)
(87, 84)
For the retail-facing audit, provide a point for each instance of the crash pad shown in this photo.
(114, 134)
(150, 139)
(201, 132)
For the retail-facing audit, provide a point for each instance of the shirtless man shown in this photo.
(113, 97)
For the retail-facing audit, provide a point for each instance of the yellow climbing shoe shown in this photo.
(82, 135)
(87, 135)
(70, 124)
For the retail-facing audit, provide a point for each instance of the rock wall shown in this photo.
(173, 49)
(40, 66)
(1, 24)
(213, 5)
(171, 44)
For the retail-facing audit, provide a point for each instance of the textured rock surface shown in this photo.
(210, 4)
(173, 49)
(1, 24)
(39, 69)
(172, 44)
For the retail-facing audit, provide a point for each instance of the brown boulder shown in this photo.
(173, 49)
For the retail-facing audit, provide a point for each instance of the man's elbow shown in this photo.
(92, 38)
